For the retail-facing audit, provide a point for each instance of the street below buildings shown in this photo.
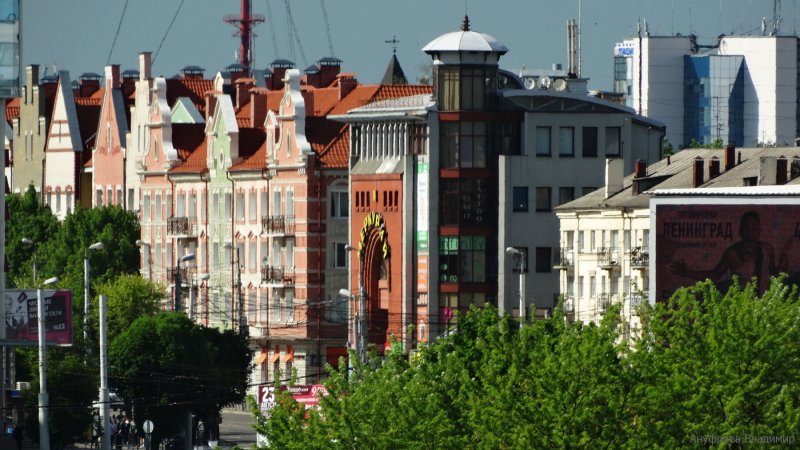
(236, 429)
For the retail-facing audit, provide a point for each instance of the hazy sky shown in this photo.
(78, 34)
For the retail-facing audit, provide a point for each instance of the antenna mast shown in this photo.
(245, 23)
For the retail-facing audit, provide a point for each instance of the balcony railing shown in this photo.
(182, 226)
(637, 298)
(608, 258)
(603, 301)
(277, 225)
(569, 303)
(564, 259)
(640, 258)
(277, 275)
(185, 274)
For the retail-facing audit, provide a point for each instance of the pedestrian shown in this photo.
(18, 435)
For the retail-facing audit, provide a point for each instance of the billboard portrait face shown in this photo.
(717, 242)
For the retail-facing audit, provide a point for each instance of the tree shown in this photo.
(707, 364)
(167, 366)
(27, 219)
(128, 298)
(714, 364)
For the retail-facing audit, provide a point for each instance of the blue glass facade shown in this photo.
(713, 99)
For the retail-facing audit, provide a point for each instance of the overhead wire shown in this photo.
(116, 34)
(169, 27)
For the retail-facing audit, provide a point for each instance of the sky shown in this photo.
(85, 35)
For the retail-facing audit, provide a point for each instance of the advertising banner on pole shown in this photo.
(22, 320)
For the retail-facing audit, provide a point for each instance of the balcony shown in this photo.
(603, 302)
(637, 298)
(277, 225)
(569, 304)
(608, 258)
(277, 276)
(564, 259)
(182, 227)
(185, 272)
(640, 258)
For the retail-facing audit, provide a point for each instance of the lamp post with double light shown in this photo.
(86, 293)
(178, 282)
(522, 269)
(44, 432)
(361, 330)
(195, 283)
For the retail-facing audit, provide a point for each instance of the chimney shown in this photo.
(113, 80)
(329, 68)
(258, 107)
(767, 171)
(145, 66)
(730, 157)
(279, 68)
(713, 168)
(697, 173)
(795, 168)
(640, 168)
(211, 103)
(347, 83)
(88, 86)
(614, 169)
(781, 166)
(243, 86)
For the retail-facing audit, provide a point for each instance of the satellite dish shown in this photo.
(530, 83)
(544, 82)
(560, 85)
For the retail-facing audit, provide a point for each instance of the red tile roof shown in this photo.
(252, 142)
(360, 96)
(195, 162)
(337, 153)
(12, 109)
(187, 137)
(193, 88)
(391, 91)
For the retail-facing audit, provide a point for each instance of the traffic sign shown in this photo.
(148, 426)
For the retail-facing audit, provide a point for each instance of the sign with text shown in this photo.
(307, 395)
(695, 242)
(22, 317)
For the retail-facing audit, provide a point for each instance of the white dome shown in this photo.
(465, 41)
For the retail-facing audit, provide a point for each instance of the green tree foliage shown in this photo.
(128, 298)
(27, 219)
(167, 366)
(71, 390)
(706, 365)
(716, 143)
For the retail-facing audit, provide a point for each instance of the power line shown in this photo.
(175, 16)
(116, 35)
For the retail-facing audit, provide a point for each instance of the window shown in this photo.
(566, 194)
(252, 206)
(262, 311)
(589, 142)
(146, 209)
(520, 198)
(580, 286)
(58, 201)
(339, 204)
(251, 307)
(543, 202)
(252, 256)
(276, 202)
(464, 144)
(592, 287)
(240, 206)
(131, 194)
(566, 141)
(158, 257)
(592, 240)
(290, 203)
(626, 240)
(580, 241)
(69, 202)
(613, 141)
(466, 88)
(339, 255)
(542, 141)
(464, 201)
(462, 259)
(98, 200)
(192, 204)
(289, 297)
(264, 211)
(275, 313)
(215, 255)
(109, 197)
(228, 206)
(543, 259)
(158, 208)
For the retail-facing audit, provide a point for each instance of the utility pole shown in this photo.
(245, 23)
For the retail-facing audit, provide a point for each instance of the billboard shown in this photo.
(695, 242)
(22, 318)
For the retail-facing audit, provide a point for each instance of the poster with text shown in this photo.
(721, 242)
(22, 318)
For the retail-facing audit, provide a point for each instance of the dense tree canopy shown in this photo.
(707, 366)
(166, 366)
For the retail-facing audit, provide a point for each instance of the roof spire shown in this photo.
(394, 43)
(465, 23)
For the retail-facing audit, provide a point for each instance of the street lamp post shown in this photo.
(198, 278)
(240, 298)
(361, 331)
(44, 432)
(86, 294)
(178, 283)
(146, 250)
(522, 268)
(27, 241)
